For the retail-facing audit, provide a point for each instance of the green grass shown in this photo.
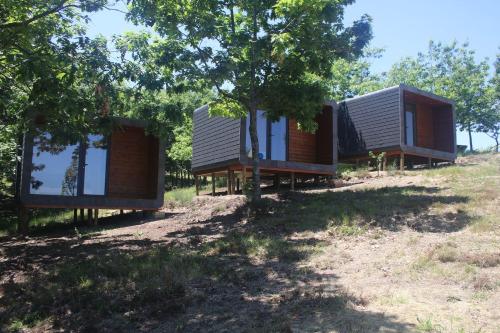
(181, 196)
(107, 285)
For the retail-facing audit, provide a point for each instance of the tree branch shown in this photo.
(34, 17)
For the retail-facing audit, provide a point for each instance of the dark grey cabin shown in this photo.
(222, 145)
(402, 121)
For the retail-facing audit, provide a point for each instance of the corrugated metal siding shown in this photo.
(215, 139)
(375, 118)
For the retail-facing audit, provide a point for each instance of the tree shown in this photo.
(51, 70)
(354, 78)
(262, 54)
(490, 123)
(450, 71)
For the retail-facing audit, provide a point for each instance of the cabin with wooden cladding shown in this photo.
(221, 146)
(411, 125)
(122, 170)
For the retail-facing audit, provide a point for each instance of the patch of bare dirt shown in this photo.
(423, 274)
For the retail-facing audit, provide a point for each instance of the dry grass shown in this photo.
(399, 253)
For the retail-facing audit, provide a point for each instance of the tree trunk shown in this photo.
(256, 192)
(469, 130)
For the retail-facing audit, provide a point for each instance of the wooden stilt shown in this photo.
(429, 162)
(197, 184)
(384, 164)
(292, 181)
(237, 184)
(213, 184)
(233, 182)
(82, 214)
(228, 181)
(75, 216)
(121, 211)
(24, 220)
(244, 177)
(96, 216)
(89, 216)
(402, 162)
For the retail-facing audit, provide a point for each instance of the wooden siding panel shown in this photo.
(374, 119)
(301, 145)
(424, 126)
(444, 129)
(133, 164)
(215, 139)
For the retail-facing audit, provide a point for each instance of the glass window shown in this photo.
(261, 133)
(95, 165)
(54, 167)
(278, 140)
(410, 124)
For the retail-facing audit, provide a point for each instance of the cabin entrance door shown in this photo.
(410, 131)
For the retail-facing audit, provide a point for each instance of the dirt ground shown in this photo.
(424, 260)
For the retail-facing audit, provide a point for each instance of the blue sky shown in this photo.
(401, 27)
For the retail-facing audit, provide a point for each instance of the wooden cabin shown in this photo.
(221, 147)
(123, 170)
(410, 125)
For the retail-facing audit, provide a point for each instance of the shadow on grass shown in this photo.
(229, 275)
(218, 286)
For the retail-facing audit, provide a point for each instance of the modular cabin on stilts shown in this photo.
(123, 170)
(221, 147)
(410, 125)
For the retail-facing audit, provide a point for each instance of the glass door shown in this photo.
(410, 124)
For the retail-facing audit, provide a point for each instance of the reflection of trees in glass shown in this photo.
(69, 184)
(54, 169)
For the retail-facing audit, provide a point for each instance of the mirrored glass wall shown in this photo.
(56, 168)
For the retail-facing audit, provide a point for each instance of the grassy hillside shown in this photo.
(418, 252)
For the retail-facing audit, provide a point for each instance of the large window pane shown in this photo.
(410, 124)
(95, 165)
(54, 167)
(261, 133)
(278, 140)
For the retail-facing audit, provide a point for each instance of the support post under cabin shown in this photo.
(89, 216)
(243, 179)
(292, 181)
(213, 184)
(402, 162)
(24, 220)
(82, 215)
(384, 164)
(197, 184)
(75, 216)
(233, 182)
(229, 181)
(429, 162)
(96, 216)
